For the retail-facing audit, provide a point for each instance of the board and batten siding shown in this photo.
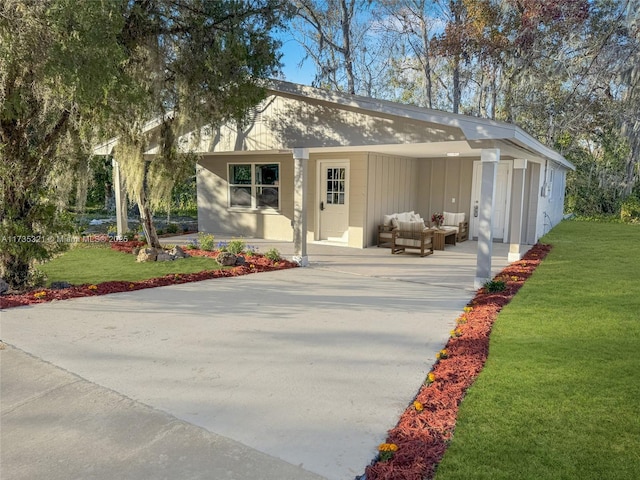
(392, 188)
(445, 185)
(282, 122)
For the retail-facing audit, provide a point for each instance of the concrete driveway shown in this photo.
(290, 374)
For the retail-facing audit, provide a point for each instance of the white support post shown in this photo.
(517, 209)
(300, 160)
(122, 223)
(490, 158)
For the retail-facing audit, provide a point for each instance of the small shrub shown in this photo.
(273, 255)
(236, 246)
(494, 286)
(37, 278)
(630, 210)
(160, 231)
(206, 241)
(172, 228)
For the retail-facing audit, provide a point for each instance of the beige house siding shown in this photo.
(530, 220)
(392, 187)
(358, 167)
(280, 122)
(214, 214)
(446, 187)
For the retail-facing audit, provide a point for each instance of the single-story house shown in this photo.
(315, 165)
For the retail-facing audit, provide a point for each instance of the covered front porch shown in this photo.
(454, 267)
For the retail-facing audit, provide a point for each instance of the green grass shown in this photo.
(96, 264)
(559, 397)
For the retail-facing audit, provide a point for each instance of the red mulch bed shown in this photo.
(422, 433)
(254, 264)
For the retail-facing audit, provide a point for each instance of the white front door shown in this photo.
(334, 201)
(501, 205)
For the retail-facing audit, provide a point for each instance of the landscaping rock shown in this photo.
(240, 260)
(226, 259)
(147, 255)
(60, 285)
(164, 257)
(4, 286)
(178, 252)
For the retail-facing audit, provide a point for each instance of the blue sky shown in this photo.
(292, 54)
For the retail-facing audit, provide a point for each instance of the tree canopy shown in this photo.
(72, 73)
(564, 70)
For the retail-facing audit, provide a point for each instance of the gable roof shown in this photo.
(427, 132)
(477, 132)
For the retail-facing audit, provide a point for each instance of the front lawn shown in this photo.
(559, 395)
(97, 263)
(97, 269)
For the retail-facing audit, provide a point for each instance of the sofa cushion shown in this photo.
(453, 218)
(412, 227)
(386, 220)
(405, 216)
(410, 242)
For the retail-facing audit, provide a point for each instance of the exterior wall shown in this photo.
(393, 187)
(358, 169)
(554, 206)
(214, 215)
(280, 122)
(445, 185)
(532, 200)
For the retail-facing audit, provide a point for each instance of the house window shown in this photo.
(254, 185)
(335, 185)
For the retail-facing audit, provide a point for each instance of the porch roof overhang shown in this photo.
(475, 133)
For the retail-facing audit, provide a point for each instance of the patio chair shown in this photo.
(412, 235)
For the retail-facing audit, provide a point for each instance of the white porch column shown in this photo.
(122, 224)
(490, 158)
(517, 209)
(300, 160)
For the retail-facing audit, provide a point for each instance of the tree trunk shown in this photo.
(426, 65)
(456, 83)
(346, 44)
(146, 218)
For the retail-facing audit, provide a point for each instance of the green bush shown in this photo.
(236, 246)
(172, 228)
(494, 286)
(206, 241)
(630, 210)
(273, 255)
(37, 278)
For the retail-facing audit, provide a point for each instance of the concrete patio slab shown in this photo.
(309, 367)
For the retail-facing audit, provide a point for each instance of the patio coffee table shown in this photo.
(442, 237)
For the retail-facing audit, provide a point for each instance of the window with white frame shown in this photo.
(254, 185)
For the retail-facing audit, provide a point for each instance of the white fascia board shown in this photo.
(473, 126)
(526, 140)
